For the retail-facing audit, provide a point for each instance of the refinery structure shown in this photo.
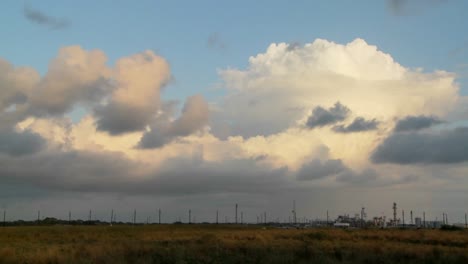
(398, 219)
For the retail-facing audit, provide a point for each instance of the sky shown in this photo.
(200, 105)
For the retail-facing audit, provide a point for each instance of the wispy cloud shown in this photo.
(216, 42)
(43, 19)
(407, 7)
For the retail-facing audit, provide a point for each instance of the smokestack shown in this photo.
(424, 219)
(327, 217)
(411, 213)
(394, 214)
(403, 216)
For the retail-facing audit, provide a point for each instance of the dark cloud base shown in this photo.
(322, 117)
(317, 169)
(358, 125)
(20, 143)
(447, 146)
(413, 123)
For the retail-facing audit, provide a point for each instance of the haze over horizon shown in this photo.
(201, 105)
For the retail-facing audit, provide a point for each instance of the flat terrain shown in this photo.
(227, 244)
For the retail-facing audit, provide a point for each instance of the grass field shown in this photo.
(227, 244)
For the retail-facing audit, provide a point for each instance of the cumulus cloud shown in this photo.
(445, 146)
(136, 98)
(317, 169)
(16, 84)
(358, 125)
(279, 86)
(41, 18)
(125, 98)
(132, 141)
(75, 76)
(323, 117)
(194, 117)
(413, 123)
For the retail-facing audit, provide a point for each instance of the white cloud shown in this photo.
(74, 76)
(267, 109)
(282, 85)
(137, 97)
(194, 117)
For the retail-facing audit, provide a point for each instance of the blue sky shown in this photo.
(311, 119)
(430, 34)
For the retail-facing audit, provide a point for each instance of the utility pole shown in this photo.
(69, 217)
(217, 214)
(294, 212)
(411, 213)
(112, 216)
(236, 214)
(4, 217)
(327, 217)
(38, 216)
(466, 221)
(134, 217)
(90, 214)
(363, 214)
(159, 215)
(189, 216)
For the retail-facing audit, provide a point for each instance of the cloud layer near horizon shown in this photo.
(297, 117)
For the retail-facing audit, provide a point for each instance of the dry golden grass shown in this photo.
(227, 244)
